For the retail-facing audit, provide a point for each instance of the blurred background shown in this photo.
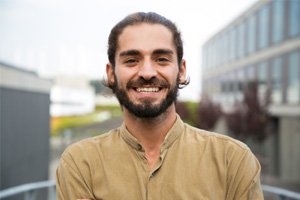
(243, 58)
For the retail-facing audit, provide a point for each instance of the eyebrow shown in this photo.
(163, 51)
(155, 52)
(129, 53)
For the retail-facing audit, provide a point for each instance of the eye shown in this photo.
(162, 59)
(130, 60)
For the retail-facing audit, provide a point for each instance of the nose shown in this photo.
(147, 70)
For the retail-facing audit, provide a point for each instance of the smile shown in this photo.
(154, 89)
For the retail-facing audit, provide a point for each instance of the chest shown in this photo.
(177, 175)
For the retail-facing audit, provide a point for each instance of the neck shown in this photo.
(150, 132)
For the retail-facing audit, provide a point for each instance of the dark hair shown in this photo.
(138, 18)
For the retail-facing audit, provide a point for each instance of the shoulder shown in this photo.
(214, 139)
(89, 146)
(232, 153)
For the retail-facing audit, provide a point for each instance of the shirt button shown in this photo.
(140, 147)
(152, 174)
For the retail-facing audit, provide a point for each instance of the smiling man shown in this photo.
(154, 154)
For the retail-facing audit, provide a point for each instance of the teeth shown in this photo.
(147, 89)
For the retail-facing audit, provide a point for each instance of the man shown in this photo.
(154, 155)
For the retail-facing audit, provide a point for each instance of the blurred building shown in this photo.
(104, 95)
(262, 45)
(24, 127)
(71, 95)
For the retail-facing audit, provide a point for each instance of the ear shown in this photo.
(182, 71)
(110, 74)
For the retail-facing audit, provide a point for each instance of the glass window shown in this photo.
(226, 47)
(263, 27)
(223, 87)
(217, 51)
(204, 57)
(231, 88)
(277, 21)
(208, 56)
(251, 36)
(293, 90)
(230, 44)
(250, 75)
(240, 84)
(262, 79)
(212, 54)
(221, 49)
(294, 18)
(276, 71)
(233, 43)
(241, 40)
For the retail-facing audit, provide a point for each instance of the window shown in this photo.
(226, 47)
(294, 18)
(277, 21)
(262, 79)
(240, 84)
(251, 39)
(221, 49)
(217, 51)
(204, 57)
(208, 56)
(231, 88)
(232, 44)
(250, 75)
(241, 40)
(293, 90)
(276, 71)
(212, 54)
(263, 27)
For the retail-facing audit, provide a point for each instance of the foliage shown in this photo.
(59, 124)
(115, 110)
(250, 117)
(187, 111)
(182, 110)
(208, 114)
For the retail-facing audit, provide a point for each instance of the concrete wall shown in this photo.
(24, 127)
(289, 148)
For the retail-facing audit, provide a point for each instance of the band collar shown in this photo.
(172, 135)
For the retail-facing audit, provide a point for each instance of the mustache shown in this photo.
(151, 82)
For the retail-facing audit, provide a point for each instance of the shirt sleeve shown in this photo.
(244, 178)
(71, 181)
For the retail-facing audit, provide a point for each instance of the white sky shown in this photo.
(70, 36)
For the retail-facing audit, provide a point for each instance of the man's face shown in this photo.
(146, 74)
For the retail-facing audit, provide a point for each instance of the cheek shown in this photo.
(121, 78)
(171, 75)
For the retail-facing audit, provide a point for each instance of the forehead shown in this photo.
(145, 37)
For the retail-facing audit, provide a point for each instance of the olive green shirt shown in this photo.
(194, 164)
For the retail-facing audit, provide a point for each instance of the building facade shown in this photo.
(24, 127)
(71, 95)
(262, 45)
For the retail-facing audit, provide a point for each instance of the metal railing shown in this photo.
(282, 194)
(30, 191)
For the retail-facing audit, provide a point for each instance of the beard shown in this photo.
(146, 109)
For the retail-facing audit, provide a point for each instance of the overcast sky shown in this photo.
(70, 36)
